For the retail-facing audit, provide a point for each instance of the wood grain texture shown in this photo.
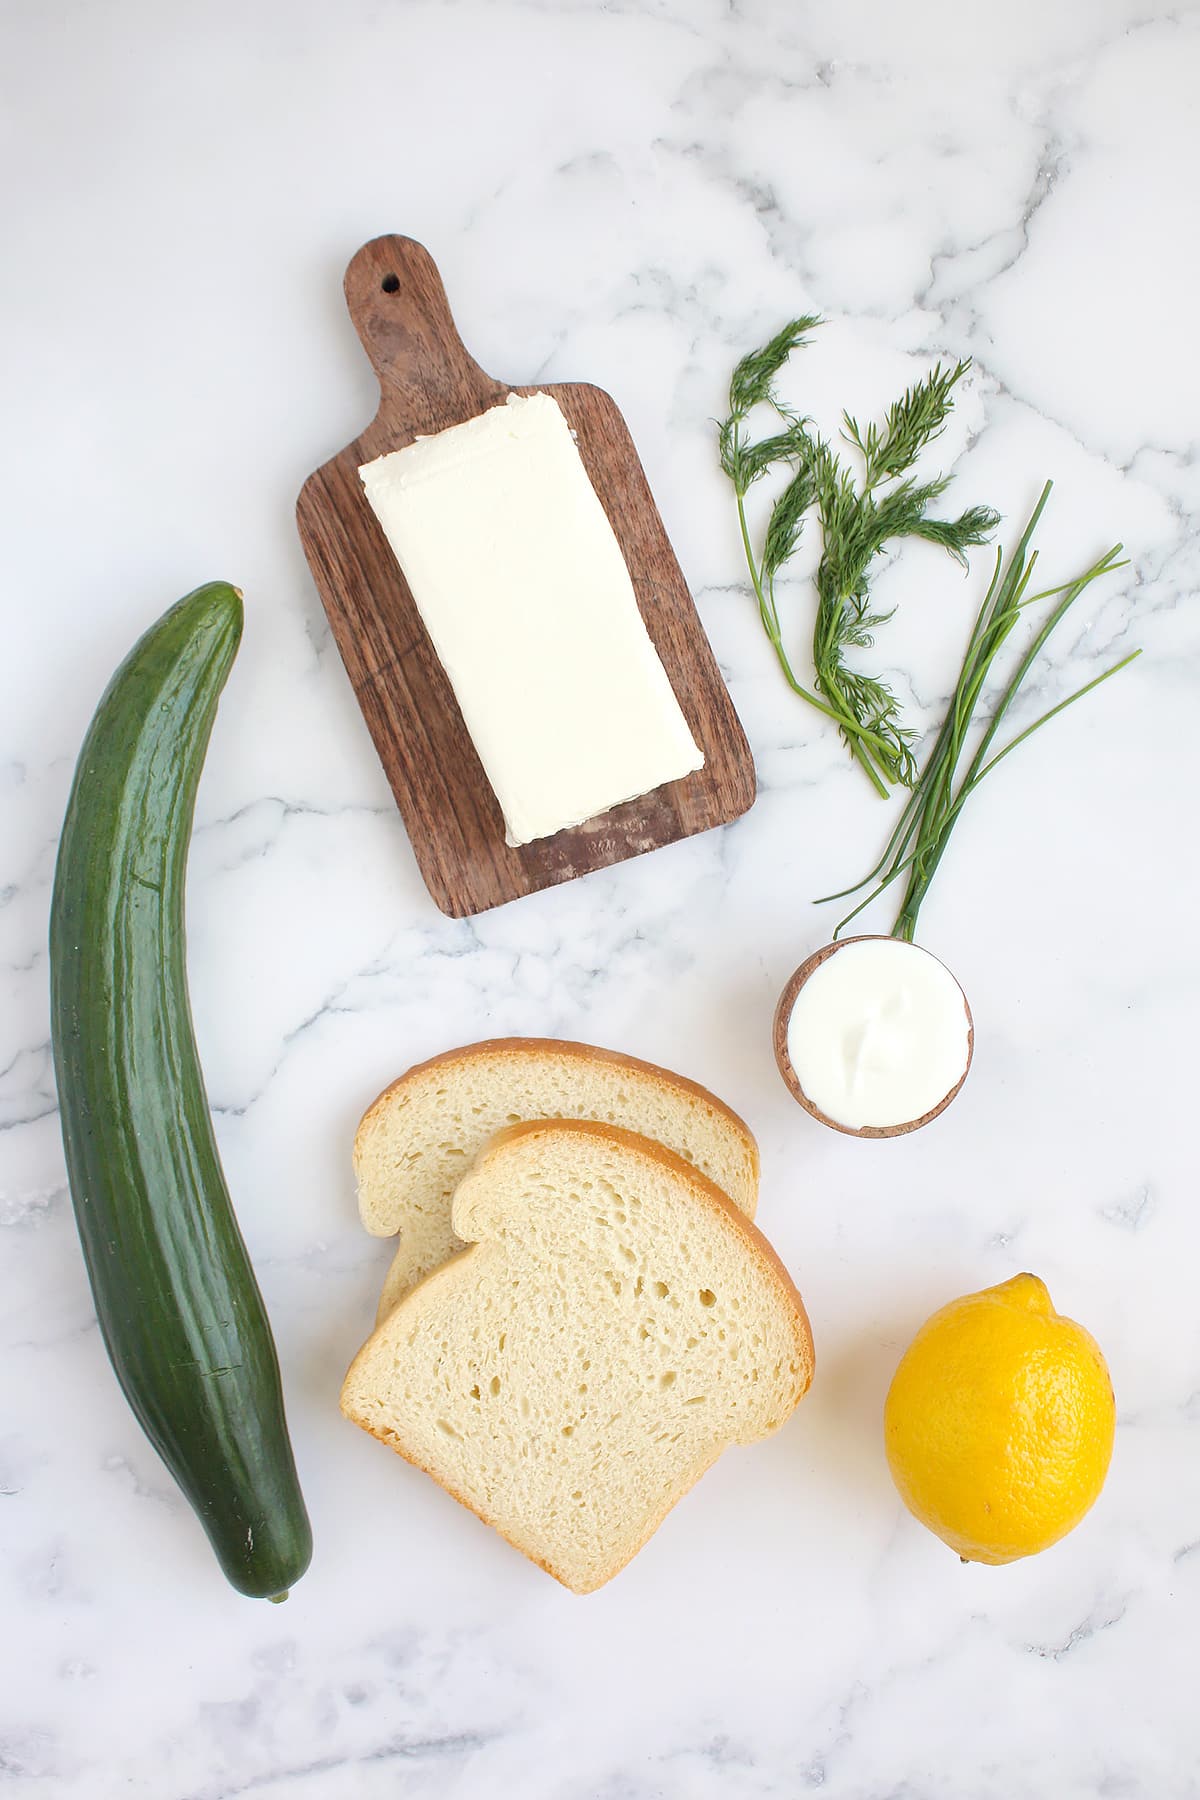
(428, 382)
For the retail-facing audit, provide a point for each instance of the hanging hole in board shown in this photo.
(390, 284)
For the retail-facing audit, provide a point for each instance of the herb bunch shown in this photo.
(858, 519)
(917, 845)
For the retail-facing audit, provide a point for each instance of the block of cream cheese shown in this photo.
(523, 590)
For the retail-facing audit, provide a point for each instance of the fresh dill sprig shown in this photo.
(918, 843)
(857, 522)
(914, 421)
(753, 380)
(744, 461)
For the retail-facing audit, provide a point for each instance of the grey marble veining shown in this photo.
(634, 194)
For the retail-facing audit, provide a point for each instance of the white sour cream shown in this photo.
(879, 1034)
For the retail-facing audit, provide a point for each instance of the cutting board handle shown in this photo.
(429, 383)
(401, 313)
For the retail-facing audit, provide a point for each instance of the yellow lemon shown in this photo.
(999, 1423)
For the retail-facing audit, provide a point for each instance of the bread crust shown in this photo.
(651, 1151)
(567, 1047)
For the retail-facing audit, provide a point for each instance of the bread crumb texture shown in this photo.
(615, 1324)
(419, 1138)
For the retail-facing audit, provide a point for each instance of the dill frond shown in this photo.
(857, 521)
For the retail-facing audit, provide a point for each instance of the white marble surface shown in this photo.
(631, 193)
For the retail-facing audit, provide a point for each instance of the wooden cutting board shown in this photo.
(428, 382)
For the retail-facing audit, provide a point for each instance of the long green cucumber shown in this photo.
(180, 1311)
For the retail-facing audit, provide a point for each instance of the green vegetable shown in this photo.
(179, 1309)
(857, 522)
(917, 845)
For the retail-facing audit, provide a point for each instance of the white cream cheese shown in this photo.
(879, 1034)
(523, 590)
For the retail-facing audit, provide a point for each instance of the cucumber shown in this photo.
(179, 1309)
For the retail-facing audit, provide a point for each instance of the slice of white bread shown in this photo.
(614, 1325)
(422, 1134)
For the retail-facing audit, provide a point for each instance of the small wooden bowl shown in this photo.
(783, 1014)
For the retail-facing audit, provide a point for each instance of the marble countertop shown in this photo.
(633, 193)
